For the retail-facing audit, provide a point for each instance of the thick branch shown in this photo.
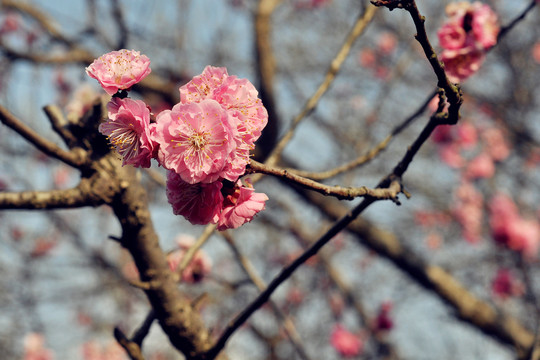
(73, 158)
(53, 199)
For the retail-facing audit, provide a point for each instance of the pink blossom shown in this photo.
(506, 285)
(196, 140)
(199, 203)
(81, 102)
(128, 130)
(485, 25)
(462, 63)
(496, 143)
(203, 86)
(239, 98)
(10, 23)
(34, 348)
(470, 24)
(510, 229)
(480, 167)
(367, 58)
(452, 36)
(451, 155)
(119, 70)
(386, 43)
(467, 134)
(442, 133)
(536, 52)
(94, 351)
(469, 211)
(346, 343)
(199, 266)
(383, 321)
(471, 29)
(240, 207)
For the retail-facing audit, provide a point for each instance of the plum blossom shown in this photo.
(506, 285)
(472, 28)
(199, 203)
(346, 343)
(34, 348)
(81, 102)
(240, 207)
(196, 140)
(129, 131)
(119, 70)
(481, 166)
(510, 229)
(383, 321)
(468, 211)
(199, 266)
(462, 63)
(239, 98)
(94, 351)
(496, 143)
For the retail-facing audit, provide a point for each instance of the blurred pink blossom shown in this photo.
(34, 348)
(241, 206)
(510, 229)
(386, 43)
(496, 144)
(383, 321)
(472, 28)
(128, 130)
(346, 343)
(451, 155)
(462, 63)
(467, 134)
(199, 203)
(81, 102)
(10, 23)
(505, 285)
(536, 52)
(94, 351)
(119, 70)
(468, 211)
(481, 167)
(199, 266)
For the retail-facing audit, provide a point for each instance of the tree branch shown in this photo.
(80, 196)
(75, 158)
(343, 193)
(358, 28)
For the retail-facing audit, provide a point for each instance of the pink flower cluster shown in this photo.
(472, 28)
(204, 141)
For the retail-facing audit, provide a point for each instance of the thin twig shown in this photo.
(372, 153)
(358, 28)
(343, 193)
(257, 280)
(190, 253)
(58, 122)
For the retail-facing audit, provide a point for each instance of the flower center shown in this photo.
(199, 140)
